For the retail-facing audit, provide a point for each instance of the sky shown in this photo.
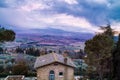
(70, 15)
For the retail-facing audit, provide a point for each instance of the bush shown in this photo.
(20, 69)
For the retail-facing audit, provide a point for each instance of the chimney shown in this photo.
(65, 54)
(65, 60)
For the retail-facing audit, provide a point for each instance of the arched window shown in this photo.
(51, 75)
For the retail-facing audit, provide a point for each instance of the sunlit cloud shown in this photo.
(71, 15)
(71, 1)
(116, 27)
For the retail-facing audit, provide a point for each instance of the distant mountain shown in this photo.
(58, 32)
(55, 36)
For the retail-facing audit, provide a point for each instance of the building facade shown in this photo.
(54, 67)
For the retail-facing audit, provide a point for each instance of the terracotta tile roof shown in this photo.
(50, 58)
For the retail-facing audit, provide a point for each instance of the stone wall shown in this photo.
(43, 72)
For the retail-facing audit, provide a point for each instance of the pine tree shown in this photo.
(99, 52)
(116, 61)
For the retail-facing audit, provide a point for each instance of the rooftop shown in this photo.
(15, 77)
(51, 58)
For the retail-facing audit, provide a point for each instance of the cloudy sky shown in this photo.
(70, 15)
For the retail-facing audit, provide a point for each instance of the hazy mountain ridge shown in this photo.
(54, 36)
(56, 32)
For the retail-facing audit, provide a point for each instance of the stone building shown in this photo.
(54, 67)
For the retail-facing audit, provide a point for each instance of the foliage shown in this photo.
(6, 35)
(1, 49)
(31, 74)
(19, 50)
(100, 46)
(3, 75)
(116, 61)
(33, 52)
(1, 69)
(30, 51)
(99, 51)
(108, 31)
(20, 69)
(78, 55)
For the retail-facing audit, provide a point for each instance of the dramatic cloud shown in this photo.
(71, 1)
(70, 15)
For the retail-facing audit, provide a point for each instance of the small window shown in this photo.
(60, 73)
(51, 75)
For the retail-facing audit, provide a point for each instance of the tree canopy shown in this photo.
(99, 50)
(116, 61)
(6, 34)
(20, 68)
(107, 30)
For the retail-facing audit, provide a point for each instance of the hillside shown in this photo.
(54, 36)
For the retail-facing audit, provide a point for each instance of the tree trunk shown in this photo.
(100, 75)
(100, 71)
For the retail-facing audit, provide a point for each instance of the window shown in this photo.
(51, 72)
(60, 73)
(51, 75)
